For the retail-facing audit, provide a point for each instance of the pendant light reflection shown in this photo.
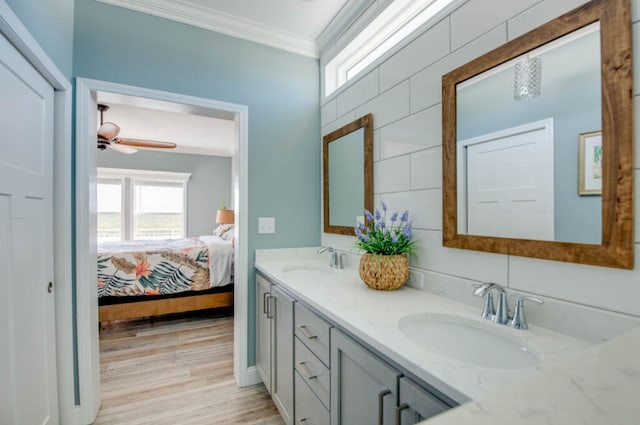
(527, 79)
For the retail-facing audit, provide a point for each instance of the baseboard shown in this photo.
(252, 376)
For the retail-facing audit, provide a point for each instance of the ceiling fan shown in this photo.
(108, 138)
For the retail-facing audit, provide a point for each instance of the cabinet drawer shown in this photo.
(313, 372)
(313, 332)
(308, 408)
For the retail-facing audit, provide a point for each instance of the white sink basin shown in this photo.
(469, 341)
(314, 268)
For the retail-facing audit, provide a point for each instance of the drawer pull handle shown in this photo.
(305, 331)
(305, 372)
(270, 313)
(399, 410)
(264, 302)
(381, 396)
(303, 421)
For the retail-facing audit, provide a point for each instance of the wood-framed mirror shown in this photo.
(512, 156)
(347, 175)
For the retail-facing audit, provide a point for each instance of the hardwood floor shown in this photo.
(176, 370)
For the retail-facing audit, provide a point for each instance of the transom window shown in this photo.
(390, 27)
(140, 204)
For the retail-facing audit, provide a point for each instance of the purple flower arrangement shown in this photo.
(380, 237)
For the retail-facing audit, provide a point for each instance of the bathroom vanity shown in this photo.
(350, 355)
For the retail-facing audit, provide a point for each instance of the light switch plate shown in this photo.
(266, 224)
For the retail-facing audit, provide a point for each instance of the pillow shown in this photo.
(224, 231)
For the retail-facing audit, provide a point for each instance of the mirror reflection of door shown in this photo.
(509, 183)
(568, 92)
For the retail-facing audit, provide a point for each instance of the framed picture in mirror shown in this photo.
(590, 163)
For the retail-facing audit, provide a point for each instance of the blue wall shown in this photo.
(51, 24)
(209, 184)
(281, 90)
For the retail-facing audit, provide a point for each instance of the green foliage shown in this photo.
(380, 237)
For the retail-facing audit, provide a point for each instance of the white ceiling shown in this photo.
(195, 130)
(292, 25)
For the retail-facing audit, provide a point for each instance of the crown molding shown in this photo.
(349, 14)
(186, 13)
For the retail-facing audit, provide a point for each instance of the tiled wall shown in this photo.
(404, 95)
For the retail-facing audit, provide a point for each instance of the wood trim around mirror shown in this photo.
(365, 122)
(616, 249)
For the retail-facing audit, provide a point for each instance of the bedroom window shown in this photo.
(158, 209)
(109, 210)
(140, 204)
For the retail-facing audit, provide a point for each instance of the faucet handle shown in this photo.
(519, 320)
(484, 290)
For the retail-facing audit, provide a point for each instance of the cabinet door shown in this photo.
(282, 353)
(263, 330)
(417, 404)
(363, 387)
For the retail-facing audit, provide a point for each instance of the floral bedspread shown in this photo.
(129, 268)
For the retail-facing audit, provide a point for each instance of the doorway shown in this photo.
(87, 92)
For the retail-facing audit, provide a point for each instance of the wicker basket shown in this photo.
(384, 272)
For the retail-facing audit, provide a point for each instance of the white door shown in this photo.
(28, 385)
(510, 185)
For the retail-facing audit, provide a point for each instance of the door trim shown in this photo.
(14, 30)
(86, 159)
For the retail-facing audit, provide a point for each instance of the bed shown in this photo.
(154, 277)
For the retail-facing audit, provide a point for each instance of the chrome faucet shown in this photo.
(500, 314)
(336, 261)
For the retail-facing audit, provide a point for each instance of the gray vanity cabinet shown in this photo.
(274, 351)
(263, 330)
(416, 404)
(363, 387)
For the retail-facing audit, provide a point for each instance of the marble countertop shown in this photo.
(597, 386)
(373, 316)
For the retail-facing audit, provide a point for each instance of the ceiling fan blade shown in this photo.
(122, 148)
(145, 143)
(108, 131)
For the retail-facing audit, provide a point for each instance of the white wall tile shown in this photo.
(391, 175)
(426, 86)
(426, 169)
(611, 289)
(362, 90)
(328, 113)
(475, 18)
(636, 131)
(424, 206)
(539, 14)
(420, 53)
(636, 206)
(477, 266)
(414, 133)
(567, 318)
(340, 122)
(390, 106)
(376, 145)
